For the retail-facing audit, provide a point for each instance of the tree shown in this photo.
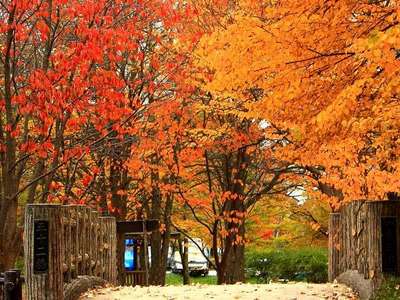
(229, 165)
(336, 97)
(66, 91)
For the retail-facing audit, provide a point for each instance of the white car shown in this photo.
(198, 264)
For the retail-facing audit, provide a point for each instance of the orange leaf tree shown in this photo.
(325, 72)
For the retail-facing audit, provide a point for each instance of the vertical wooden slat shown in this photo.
(100, 239)
(66, 211)
(120, 257)
(81, 239)
(113, 241)
(109, 229)
(334, 246)
(87, 241)
(47, 285)
(146, 254)
(74, 254)
(94, 218)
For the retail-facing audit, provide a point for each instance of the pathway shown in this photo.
(290, 291)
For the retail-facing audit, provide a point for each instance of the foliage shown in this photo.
(389, 289)
(205, 115)
(335, 98)
(279, 221)
(75, 78)
(307, 264)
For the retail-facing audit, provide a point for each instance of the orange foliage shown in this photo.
(324, 71)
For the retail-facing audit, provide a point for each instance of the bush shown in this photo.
(389, 289)
(309, 265)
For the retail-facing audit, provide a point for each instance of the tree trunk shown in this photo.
(156, 243)
(234, 271)
(118, 182)
(184, 253)
(231, 268)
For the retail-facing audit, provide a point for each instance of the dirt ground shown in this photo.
(290, 291)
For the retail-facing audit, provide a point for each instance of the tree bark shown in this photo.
(184, 253)
(234, 271)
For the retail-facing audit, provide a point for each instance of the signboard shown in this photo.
(40, 246)
(137, 226)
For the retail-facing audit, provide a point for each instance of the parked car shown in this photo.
(197, 263)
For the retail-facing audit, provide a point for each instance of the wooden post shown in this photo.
(73, 247)
(375, 241)
(100, 243)
(43, 250)
(86, 231)
(12, 285)
(121, 258)
(94, 221)
(109, 229)
(146, 254)
(81, 239)
(68, 243)
(334, 246)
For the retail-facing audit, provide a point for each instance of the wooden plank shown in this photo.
(121, 257)
(334, 246)
(109, 230)
(66, 212)
(74, 251)
(146, 257)
(43, 251)
(87, 241)
(81, 225)
(94, 227)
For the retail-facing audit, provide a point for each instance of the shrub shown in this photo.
(308, 264)
(389, 289)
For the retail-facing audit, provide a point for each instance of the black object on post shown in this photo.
(1, 286)
(41, 246)
(12, 285)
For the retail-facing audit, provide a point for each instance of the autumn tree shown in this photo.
(73, 79)
(229, 165)
(335, 96)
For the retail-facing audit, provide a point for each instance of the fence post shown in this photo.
(43, 250)
(86, 241)
(68, 242)
(94, 227)
(12, 285)
(73, 249)
(109, 245)
(80, 222)
(334, 246)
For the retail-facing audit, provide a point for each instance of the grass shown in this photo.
(176, 279)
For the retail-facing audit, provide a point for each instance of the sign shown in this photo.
(137, 226)
(40, 246)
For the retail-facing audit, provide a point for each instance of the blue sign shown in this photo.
(129, 258)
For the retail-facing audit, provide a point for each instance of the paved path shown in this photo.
(290, 291)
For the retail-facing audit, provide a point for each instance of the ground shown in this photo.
(290, 291)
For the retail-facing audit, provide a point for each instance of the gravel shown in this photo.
(289, 291)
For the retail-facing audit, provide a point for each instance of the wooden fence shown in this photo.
(359, 240)
(64, 242)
